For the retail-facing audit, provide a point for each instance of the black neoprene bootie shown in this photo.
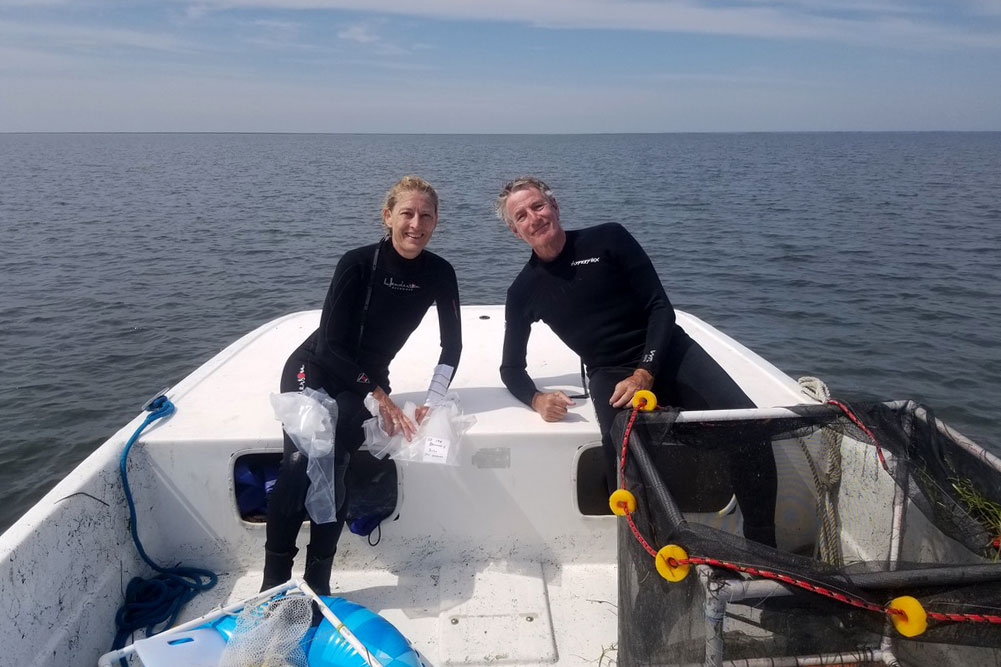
(317, 573)
(277, 567)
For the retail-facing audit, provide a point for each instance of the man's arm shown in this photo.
(644, 283)
(552, 406)
(645, 286)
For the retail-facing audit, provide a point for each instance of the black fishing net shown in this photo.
(874, 502)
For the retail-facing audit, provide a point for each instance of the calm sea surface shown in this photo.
(872, 261)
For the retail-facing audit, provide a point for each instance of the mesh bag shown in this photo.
(874, 502)
(270, 633)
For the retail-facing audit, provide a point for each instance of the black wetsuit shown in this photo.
(348, 356)
(603, 298)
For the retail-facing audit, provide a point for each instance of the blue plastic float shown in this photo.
(202, 645)
(329, 648)
(326, 647)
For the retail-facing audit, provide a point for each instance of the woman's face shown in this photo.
(411, 222)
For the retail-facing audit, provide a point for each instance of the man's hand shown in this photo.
(421, 413)
(624, 390)
(552, 406)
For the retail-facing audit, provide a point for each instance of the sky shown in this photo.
(520, 66)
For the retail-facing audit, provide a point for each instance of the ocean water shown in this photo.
(869, 260)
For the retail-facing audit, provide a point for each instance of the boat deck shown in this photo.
(490, 562)
(520, 613)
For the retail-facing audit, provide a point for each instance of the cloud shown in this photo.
(838, 20)
(195, 12)
(148, 68)
(986, 7)
(29, 61)
(278, 36)
(358, 33)
(752, 78)
(59, 35)
(139, 103)
(364, 35)
(32, 3)
(286, 26)
(910, 24)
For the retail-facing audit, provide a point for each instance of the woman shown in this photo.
(378, 296)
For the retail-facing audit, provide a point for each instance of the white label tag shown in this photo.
(435, 450)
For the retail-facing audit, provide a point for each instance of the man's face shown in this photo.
(532, 217)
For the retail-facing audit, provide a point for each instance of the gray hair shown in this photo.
(517, 185)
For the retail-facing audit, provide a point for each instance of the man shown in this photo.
(598, 291)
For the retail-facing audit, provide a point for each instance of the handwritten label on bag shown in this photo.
(435, 450)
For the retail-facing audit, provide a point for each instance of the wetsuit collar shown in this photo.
(393, 258)
(564, 251)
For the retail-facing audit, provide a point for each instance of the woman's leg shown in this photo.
(323, 537)
(286, 511)
(286, 502)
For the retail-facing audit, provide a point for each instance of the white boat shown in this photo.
(489, 562)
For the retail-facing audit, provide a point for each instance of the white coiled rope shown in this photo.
(828, 480)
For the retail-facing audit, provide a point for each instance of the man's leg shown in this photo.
(601, 384)
(701, 384)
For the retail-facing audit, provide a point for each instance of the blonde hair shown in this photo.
(516, 185)
(407, 184)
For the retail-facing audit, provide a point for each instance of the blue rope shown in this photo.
(158, 600)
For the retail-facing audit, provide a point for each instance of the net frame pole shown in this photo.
(718, 597)
(655, 483)
(340, 627)
(965, 443)
(736, 590)
(748, 414)
(714, 610)
(901, 492)
(849, 657)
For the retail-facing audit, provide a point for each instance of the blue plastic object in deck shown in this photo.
(329, 648)
(326, 647)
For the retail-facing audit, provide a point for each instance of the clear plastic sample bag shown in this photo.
(310, 417)
(436, 441)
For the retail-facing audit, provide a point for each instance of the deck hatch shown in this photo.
(495, 613)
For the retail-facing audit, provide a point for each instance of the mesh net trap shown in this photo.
(888, 531)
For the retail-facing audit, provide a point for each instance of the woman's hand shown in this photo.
(421, 413)
(393, 419)
(624, 390)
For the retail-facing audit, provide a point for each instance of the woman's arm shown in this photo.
(341, 321)
(450, 334)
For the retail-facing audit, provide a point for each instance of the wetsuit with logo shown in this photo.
(603, 298)
(377, 298)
